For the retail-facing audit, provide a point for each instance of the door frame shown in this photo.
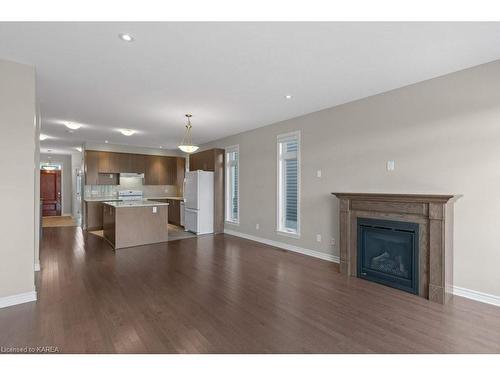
(62, 165)
(61, 183)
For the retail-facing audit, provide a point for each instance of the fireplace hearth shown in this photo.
(405, 241)
(388, 253)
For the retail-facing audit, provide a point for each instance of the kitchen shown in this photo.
(133, 199)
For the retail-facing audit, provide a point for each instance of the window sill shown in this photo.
(288, 234)
(236, 223)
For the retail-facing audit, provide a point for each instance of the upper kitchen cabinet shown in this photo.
(160, 170)
(91, 167)
(203, 161)
(136, 163)
(130, 163)
(108, 162)
(103, 168)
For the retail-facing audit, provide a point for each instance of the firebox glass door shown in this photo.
(387, 253)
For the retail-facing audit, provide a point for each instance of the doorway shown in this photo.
(50, 192)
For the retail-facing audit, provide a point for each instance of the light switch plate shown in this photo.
(390, 165)
(318, 173)
(155, 210)
(257, 226)
(318, 237)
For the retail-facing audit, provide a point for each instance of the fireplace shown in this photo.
(388, 253)
(408, 241)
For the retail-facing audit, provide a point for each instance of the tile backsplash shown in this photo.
(130, 183)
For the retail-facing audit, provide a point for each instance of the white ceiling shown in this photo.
(231, 76)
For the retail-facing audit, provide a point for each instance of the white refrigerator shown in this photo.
(199, 202)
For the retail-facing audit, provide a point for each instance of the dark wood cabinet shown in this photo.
(130, 163)
(103, 168)
(109, 223)
(108, 162)
(204, 161)
(160, 170)
(91, 167)
(136, 163)
(212, 160)
(152, 170)
(124, 163)
(94, 215)
(180, 175)
(174, 212)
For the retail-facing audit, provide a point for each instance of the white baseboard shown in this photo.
(282, 245)
(17, 299)
(477, 296)
(37, 266)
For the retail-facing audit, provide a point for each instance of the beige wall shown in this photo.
(17, 184)
(444, 135)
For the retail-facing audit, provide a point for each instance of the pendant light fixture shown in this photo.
(187, 143)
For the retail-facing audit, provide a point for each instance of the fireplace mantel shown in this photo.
(433, 213)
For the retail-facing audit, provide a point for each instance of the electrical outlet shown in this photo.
(318, 237)
(257, 226)
(332, 241)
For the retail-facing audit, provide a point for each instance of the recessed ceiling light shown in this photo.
(126, 37)
(79, 149)
(72, 125)
(43, 137)
(106, 141)
(127, 132)
(288, 97)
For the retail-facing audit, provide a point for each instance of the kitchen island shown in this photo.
(135, 222)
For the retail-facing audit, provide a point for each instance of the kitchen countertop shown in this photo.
(134, 203)
(176, 198)
(101, 199)
(115, 199)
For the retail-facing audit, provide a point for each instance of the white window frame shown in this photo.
(235, 148)
(280, 228)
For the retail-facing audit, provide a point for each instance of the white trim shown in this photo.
(282, 245)
(17, 299)
(279, 139)
(37, 266)
(234, 148)
(477, 296)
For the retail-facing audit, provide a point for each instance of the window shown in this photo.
(288, 215)
(47, 166)
(232, 184)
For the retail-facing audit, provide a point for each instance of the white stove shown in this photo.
(130, 195)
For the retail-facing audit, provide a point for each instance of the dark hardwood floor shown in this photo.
(222, 294)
